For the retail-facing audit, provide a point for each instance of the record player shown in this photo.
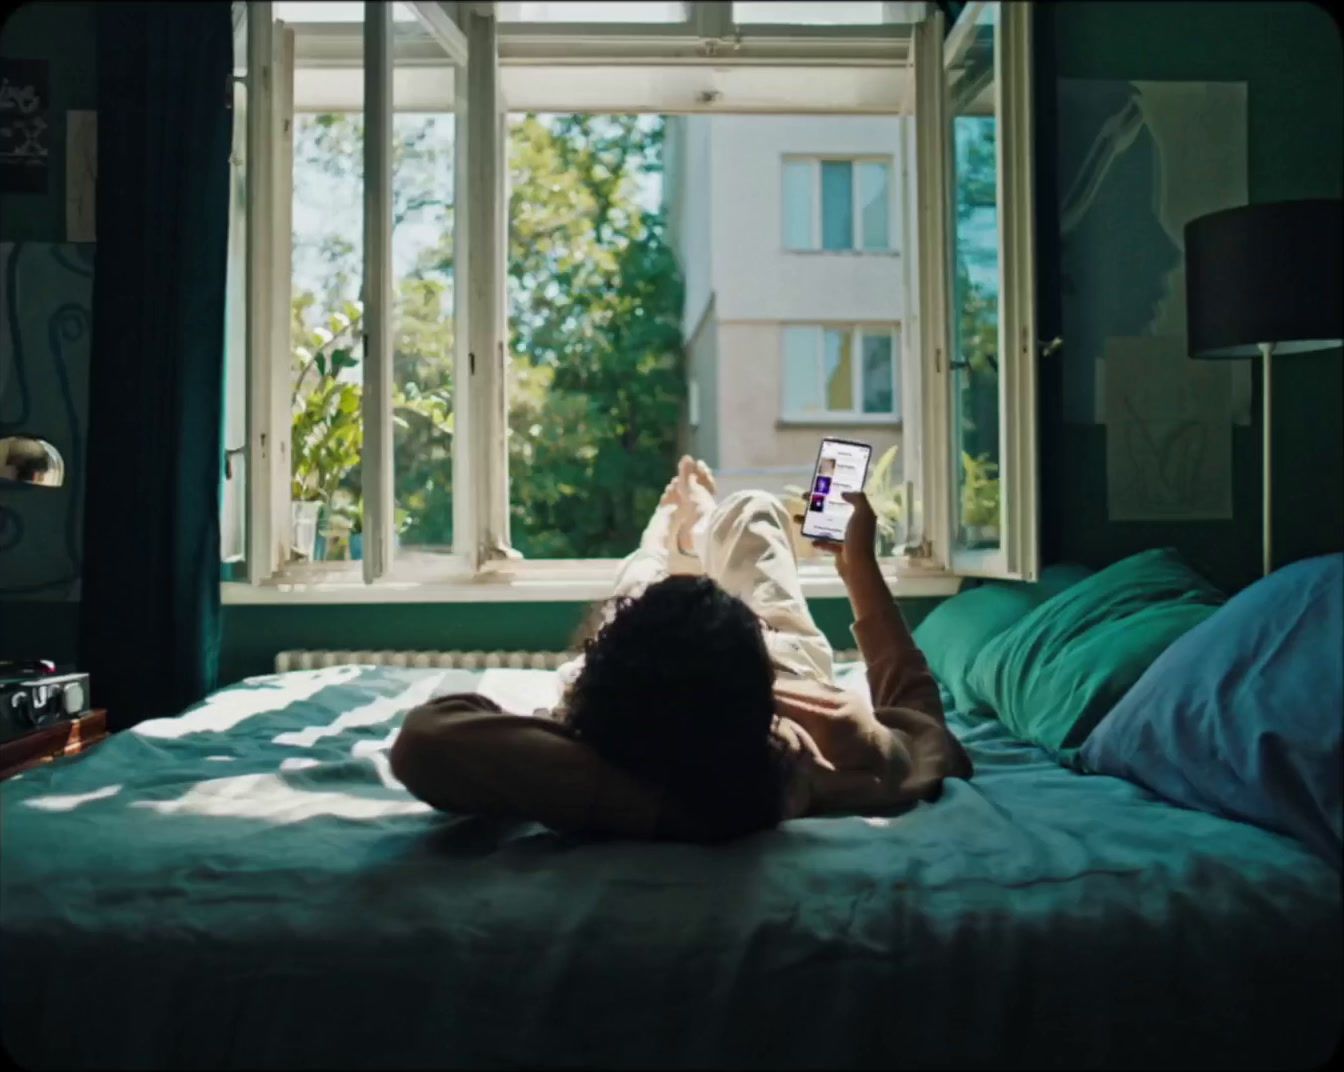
(33, 695)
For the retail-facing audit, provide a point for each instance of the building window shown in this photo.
(837, 204)
(840, 372)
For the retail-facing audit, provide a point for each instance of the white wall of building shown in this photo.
(690, 210)
(752, 275)
(724, 196)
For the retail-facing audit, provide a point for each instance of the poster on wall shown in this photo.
(1137, 161)
(1168, 432)
(24, 130)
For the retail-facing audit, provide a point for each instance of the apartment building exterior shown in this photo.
(789, 234)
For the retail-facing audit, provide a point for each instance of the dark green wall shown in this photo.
(63, 35)
(1289, 55)
(253, 634)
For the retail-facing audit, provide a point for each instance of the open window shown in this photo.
(992, 387)
(723, 228)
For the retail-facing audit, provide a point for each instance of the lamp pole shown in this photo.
(1266, 350)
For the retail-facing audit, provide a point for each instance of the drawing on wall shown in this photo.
(81, 174)
(46, 289)
(1137, 161)
(24, 133)
(1168, 432)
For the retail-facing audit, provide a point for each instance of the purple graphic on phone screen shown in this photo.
(818, 503)
(823, 485)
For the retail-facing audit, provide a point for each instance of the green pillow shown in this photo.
(1053, 675)
(952, 634)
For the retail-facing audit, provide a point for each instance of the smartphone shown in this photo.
(842, 465)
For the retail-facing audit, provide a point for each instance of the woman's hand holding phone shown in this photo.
(860, 544)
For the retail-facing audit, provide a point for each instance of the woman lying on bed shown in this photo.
(704, 706)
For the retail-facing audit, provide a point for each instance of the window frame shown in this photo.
(1017, 556)
(481, 567)
(852, 417)
(815, 160)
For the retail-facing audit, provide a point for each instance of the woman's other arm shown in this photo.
(462, 754)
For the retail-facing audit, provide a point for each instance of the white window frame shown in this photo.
(856, 205)
(1018, 555)
(481, 567)
(856, 417)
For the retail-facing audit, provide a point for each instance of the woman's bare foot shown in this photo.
(692, 491)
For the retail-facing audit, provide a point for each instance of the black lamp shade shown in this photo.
(1268, 273)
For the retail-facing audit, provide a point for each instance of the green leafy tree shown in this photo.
(595, 385)
(595, 305)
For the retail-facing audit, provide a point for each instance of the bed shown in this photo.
(246, 886)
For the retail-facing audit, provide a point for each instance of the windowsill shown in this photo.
(535, 582)
(844, 252)
(840, 420)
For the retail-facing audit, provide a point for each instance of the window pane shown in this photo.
(327, 367)
(837, 204)
(839, 370)
(877, 373)
(976, 290)
(423, 258)
(597, 377)
(800, 199)
(801, 380)
(873, 205)
(574, 11)
(833, 13)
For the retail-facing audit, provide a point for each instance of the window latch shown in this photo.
(1048, 348)
(229, 452)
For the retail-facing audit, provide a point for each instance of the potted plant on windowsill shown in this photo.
(979, 501)
(327, 433)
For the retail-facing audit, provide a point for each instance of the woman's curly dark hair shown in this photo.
(677, 689)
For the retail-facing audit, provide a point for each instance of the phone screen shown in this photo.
(842, 466)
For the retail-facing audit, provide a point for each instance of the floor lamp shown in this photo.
(1265, 279)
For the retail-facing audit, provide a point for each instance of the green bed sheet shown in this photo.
(247, 886)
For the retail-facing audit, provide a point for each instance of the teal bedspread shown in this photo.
(247, 886)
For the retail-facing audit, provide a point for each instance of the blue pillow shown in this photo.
(1242, 715)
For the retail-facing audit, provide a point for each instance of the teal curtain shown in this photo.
(149, 618)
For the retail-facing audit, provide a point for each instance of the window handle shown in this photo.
(1047, 349)
(967, 365)
(229, 452)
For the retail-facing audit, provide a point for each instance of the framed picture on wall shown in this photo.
(25, 135)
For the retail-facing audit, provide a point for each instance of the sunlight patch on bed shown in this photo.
(521, 691)
(70, 801)
(370, 714)
(228, 708)
(269, 797)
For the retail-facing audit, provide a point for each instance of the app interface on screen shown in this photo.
(841, 468)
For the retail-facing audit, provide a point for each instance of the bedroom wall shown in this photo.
(62, 34)
(1289, 56)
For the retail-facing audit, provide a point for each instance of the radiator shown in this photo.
(446, 660)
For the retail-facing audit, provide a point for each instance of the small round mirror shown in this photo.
(27, 460)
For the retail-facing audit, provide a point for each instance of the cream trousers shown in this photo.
(747, 547)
